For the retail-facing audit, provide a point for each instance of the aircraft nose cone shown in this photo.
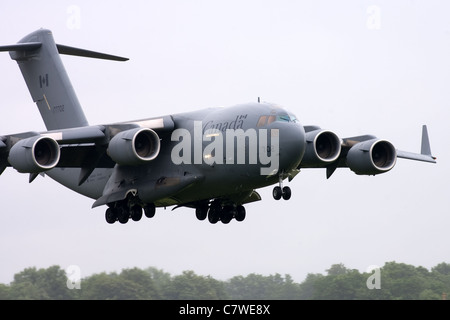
(292, 146)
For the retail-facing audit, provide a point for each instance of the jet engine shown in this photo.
(134, 146)
(34, 155)
(372, 157)
(322, 146)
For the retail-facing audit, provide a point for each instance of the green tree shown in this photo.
(189, 286)
(111, 286)
(337, 269)
(161, 281)
(441, 276)
(398, 281)
(340, 284)
(429, 294)
(288, 289)
(4, 292)
(259, 287)
(308, 287)
(253, 286)
(443, 268)
(143, 281)
(42, 284)
(404, 282)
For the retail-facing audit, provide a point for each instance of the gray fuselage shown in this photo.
(217, 152)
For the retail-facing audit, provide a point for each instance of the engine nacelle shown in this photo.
(134, 146)
(34, 155)
(322, 146)
(372, 157)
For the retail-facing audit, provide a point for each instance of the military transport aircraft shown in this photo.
(212, 160)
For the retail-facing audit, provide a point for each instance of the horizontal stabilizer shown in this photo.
(87, 53)
(29, 46)
(62, 49)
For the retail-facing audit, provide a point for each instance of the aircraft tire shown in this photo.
(226, 214)
(136, 213)
(111, 215)
(240, 213)
(286, 193)
(277, 193)
(201, 213)
(150, 210)
(213, 214)
(123, 215)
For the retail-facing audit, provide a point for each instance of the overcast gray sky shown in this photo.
(353, 67)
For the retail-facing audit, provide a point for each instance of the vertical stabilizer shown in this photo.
(48, 82)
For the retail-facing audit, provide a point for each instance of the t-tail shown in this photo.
(38, 57)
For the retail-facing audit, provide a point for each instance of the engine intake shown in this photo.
(372, 157)
(134, 146)
(322, 147)
(34, 155)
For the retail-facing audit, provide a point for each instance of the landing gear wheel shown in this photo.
(226, 214)
(277, 193)
(136, 213)
(240, 213)
(111, 215)
(201, 212)
(214, 214)
(286, 193)
(150, 210)
(123, 215)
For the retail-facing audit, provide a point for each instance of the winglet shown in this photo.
(425, 149)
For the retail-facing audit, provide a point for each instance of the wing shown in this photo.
(87, 147)
(425, 151)
(364, 155)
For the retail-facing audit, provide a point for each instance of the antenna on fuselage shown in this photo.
(259, 99)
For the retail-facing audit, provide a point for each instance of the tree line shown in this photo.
(393, 281)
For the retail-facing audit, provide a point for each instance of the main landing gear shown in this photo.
(281, 192)
(122, 211)
(216, 211)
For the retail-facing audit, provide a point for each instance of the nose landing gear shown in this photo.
(280, 191)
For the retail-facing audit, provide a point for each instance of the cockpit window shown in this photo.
(265, 120)
(271, 119)
(293, 118)
(262, 121)
(284, 118)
